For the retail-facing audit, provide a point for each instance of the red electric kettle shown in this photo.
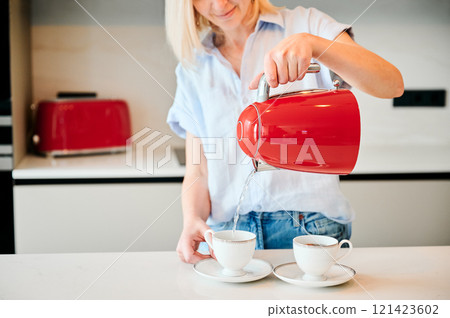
(310, 131)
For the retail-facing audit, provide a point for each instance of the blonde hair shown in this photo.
(185, 27)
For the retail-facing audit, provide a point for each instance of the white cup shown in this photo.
(315, 254)
(233, 251)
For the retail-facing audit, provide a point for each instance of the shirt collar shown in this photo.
(208, 42)
(274, 18)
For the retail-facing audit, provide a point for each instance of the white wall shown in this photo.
(71, 52)
(411, 34)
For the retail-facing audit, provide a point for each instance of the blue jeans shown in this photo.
(276, 230)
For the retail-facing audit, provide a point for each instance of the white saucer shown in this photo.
(255, 270)
(291, 273)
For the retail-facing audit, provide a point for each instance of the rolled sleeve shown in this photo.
(328, 28)
(185, 113)
(321, 24)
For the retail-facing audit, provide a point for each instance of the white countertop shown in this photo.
(91, 166)
(382, 273)
(371, 160)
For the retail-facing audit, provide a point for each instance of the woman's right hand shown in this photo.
(196, 205)
(190, 238)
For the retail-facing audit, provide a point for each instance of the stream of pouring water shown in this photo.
(244, 190)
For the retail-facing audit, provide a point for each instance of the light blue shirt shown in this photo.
(209, 100)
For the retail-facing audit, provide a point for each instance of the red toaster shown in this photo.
(77, 126)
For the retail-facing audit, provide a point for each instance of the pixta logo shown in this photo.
(141, 147)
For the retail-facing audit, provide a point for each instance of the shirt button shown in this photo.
(258, 206)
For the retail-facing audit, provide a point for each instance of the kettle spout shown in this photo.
(262, 166)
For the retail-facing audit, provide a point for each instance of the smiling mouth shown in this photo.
(227, 14)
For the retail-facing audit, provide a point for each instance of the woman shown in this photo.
(223, 48)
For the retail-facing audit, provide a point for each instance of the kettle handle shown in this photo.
(264, 88)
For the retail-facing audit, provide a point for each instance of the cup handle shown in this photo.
(208, 238)
(348, 252)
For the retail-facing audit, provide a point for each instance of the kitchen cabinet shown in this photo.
(99, 204)
(399, 212)
(110, 217)
(6, 207)
(97, 217)
(15, 95)
(96, 203)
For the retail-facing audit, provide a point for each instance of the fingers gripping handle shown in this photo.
(208, 238)
(264, 88)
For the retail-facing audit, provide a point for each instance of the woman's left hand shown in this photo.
(288, 61)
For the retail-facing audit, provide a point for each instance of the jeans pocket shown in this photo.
(326, 226)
